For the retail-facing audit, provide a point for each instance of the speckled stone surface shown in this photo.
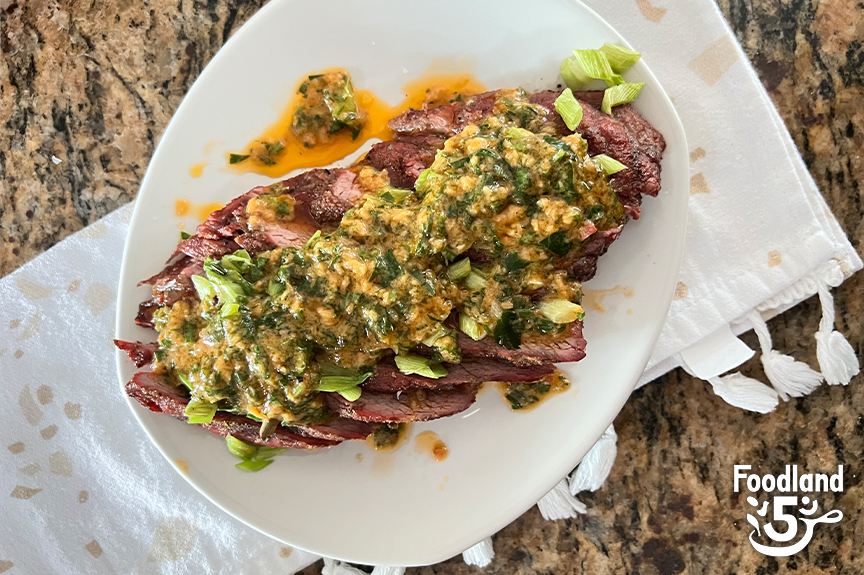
(93, 84)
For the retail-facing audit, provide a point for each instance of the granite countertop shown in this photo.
(88, 87)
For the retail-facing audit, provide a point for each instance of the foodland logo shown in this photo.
(788, 482)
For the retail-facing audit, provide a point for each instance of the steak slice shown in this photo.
(140, 353)
(388, 378)
(144, 318)
(568, 346)
(154, 393)
(413, 405)
(582, 265)
(446, 120)
(338, 429)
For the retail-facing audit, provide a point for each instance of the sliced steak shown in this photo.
(388, 378)
(414, 405)
(327, 194)
(446, 120)
(145, 313)
(568, 346)
(154, 393)
(403, 161)
(583, 264)
(140, 353)
(338, 429)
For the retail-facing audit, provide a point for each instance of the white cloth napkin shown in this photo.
(88, 494)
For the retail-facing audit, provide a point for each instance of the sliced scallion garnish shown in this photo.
(204, 287)
(617, 95)
(585, 65)
(620, 58)
(229, 310)
(414, 364)
(237, 158)
(240, 448)
(313, 239)
(254, 464)
(561, 310)
(609, 165)
(460, 269)
(569, 108)
(475, 281)
(471, 328)
(200, 411)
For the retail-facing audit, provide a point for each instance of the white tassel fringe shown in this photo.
(385, 570)
(789, 377)
(745, 392)
(836, 357)
(481, 554)
(596, 465)
(560, 503)
(333, 567)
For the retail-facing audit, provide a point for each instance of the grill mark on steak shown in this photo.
(569, 346)
(154, 393)
(140, 353)
(388, 378)
(414, 405)
(144, 318)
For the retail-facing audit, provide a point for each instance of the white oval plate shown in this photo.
(405, 508)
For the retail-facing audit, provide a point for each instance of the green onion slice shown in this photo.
(569, 108)
(237, 158)
(351, 394)
(609, 165)
(392, 194)
(204, 287)
(185, 235)
(586, 65)
(561, 310)
(617, 95)
(414, 364)
(313, 239)
(620, 58)
(475, 281)
(341, 380)
(241, 449)
(471, 328)
(200, 411)
(460, 269)
(229, 310)
(254, 464)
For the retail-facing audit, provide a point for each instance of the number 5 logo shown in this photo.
(779, 503)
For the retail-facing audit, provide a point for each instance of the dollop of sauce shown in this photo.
(183, 207)
(593, 298)
(198, 169)
(527, 396)
(293, 151)
(389, 436)
(429, 442)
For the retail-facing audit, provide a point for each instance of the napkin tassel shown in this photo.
(481, 554)
(560, 503)
(333, 567)
(836, 357)
(744, 392)
(789, 377)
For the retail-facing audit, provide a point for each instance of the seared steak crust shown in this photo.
(413, 405)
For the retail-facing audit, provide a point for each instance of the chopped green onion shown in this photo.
(569, 108)
(265, 452)
(240, 261)
(351, 394)
(189, 331)
(338, 379)
(237, 158)
(617, 95)
(471, 328)
(414, 364)
(241, 449)
(185, 235)
(460, 269)
(200, 411)
(609, 165)
(620, 58)
(513, 133)
(586, 65)
(313, 239)
(561, 310)
(392, 194)
(437, 334)
(229, 310)
(475, 281)
(420, 184)
(204, 287)
(184, 379)
(254, 465)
